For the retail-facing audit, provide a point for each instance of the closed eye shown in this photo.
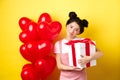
(77, 30)
(71, 27)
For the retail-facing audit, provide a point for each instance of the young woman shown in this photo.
(74, 27)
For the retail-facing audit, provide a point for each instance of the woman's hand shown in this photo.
(77, 69)
(84, 60)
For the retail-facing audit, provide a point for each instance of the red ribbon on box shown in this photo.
(87, 42)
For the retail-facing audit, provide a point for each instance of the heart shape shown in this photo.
(29, 33)
(45, 66)
(55, 28)
(43, 48)
(26, 52)
(32, 51)
(49, 31)
(28, 73)
(23, 21)
(45, 17)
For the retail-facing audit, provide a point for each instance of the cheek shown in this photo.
(68, 29)
(77, 32)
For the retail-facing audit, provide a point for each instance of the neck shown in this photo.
(70, 38)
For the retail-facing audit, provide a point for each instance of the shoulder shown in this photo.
(61, 41)
(58, 42)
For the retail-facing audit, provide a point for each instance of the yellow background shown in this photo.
(104, 28)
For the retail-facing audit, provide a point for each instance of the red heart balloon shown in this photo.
(23, 22)
(55, 28)
(30, 33)
(39, 65)
(49, 67)
(29, 73)
(32, 51)
(44, 17)
(43, 48)
(49, 31)
(43, 31)
(26, 54)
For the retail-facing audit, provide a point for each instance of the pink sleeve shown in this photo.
(57, 47)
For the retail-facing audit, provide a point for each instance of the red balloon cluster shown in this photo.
(37, 44)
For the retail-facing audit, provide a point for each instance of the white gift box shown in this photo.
(81, 48)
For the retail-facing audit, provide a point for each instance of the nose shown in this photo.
(71, 31)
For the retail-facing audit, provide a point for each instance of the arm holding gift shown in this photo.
(62, 59)
(65, 67)
(97, 55)
(86, 59)
(83, 53)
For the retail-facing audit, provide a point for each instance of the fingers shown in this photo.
(78, 69)
(82, 61)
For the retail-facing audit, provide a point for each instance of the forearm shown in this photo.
(97, 55)
(65, 67)
(61, 66)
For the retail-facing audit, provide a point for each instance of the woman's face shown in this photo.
(73, 29)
